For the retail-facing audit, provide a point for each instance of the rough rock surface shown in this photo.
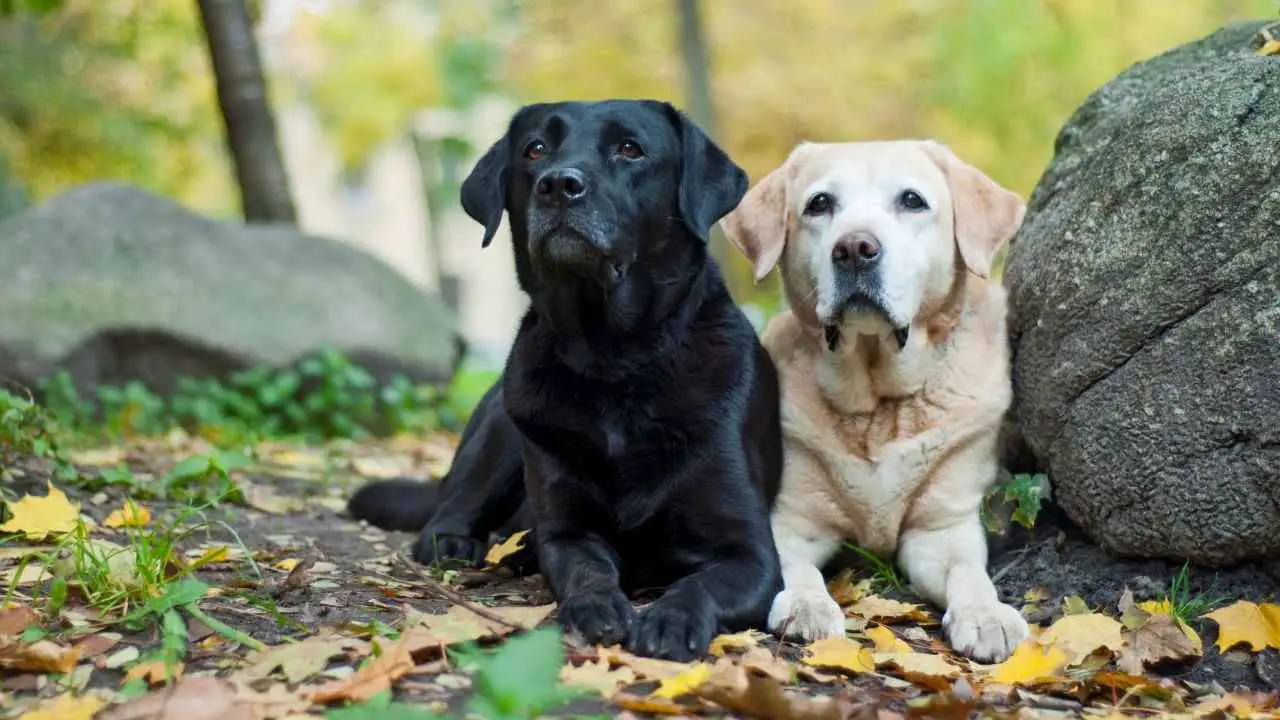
(1145, 316)
(115, 284)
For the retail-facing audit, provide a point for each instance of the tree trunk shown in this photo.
(697, 75)
(242, 96)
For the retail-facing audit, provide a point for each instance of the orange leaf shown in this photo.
(373, 678)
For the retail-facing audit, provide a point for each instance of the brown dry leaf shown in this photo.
(925, 669)
(1080, 635)
(598, 676)
(762, 660)
(374, 677)
(15, 620)
(266, 499)
(155, 672)
(66, 707)
(1241, 704)
(845, 591)
(884, 610)
(1153, 636)
(1030, 663)
(505, 548)
(645, 668)
(755, 694)
(841, 654)
(42, 656)
(40, 517)
(884, 641)
(129, 515)
(296, 661)
(1244, 622)
(459, 624)
(741, 642)
(195, 698)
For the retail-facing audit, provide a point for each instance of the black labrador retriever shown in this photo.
(636, 423)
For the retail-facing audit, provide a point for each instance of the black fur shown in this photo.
(636, 423)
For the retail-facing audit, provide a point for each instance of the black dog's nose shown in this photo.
(562, 185)
(858, 250)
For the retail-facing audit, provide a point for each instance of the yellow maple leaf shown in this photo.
(155, 672)
(288, 564)
(66, 707)
(673, 687)
(840, 653)
(742, 641)
(1028, 663)
(130, 515)
(1249, 623)
(885, 641)
(874, 607)
(1081, 635)
(927, 669)
(39, 517)
(505, 548)
(597, 676)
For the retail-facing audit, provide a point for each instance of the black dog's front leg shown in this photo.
(576, 558)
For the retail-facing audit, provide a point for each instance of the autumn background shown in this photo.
(383, 104)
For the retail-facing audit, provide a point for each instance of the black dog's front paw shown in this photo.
(673, 628)
(433, 548)
(600, 616)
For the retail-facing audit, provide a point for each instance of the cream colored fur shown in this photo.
(890, 448)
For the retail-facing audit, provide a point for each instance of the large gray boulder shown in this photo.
(1145, 317)
(114, 284)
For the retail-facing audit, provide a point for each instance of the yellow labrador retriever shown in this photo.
(894, 372)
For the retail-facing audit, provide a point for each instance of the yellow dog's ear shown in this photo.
(986, 215)
(758, 226)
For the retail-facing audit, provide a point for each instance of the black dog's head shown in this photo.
(595, 189)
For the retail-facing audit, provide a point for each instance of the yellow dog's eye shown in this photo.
(911, 200)
(630, 150)
(819, 204)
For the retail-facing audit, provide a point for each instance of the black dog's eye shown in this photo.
(534, 150)
(911, 200)
(819, 204)
(630, 150)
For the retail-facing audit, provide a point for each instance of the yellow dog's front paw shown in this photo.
(986, 632)
(807, 615)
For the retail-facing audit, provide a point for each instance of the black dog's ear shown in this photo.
(711, 184)
(484, 192)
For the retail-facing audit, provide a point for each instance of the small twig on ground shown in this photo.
(445, 593)
(1009, 566)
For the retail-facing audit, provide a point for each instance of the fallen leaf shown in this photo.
(194, 698)
(1030, 663)
(763, 661)
(683, 683)
(296, 661)
(66, 707)
(845, 591)
(1036, 594)
(505, 548)
(129, 515)
(598, 676)
(740, 642)
(1075, 605)
(874, 607)
(840, 653)
(755, 694)
(1240, 704)
(884, 641)
(288, 564)
(97, 457)
(41, 656)
(459, 624)
(382, 468)
(1080, 635)
(1246, 622)
(651, 705)
(1270, 47)
(1153, 636)
(265, 498)
(155, 672)
(932, 671)
(374, 677)
(646, 668)
(39, 517)
(15, 620)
